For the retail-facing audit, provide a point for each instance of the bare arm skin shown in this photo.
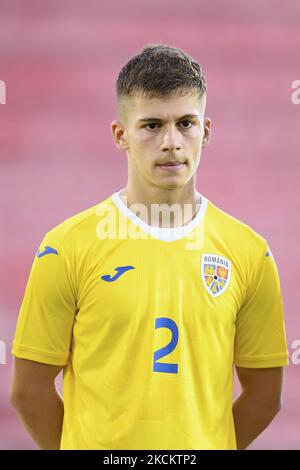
(258, 403)
(39, 406)
(36, 401)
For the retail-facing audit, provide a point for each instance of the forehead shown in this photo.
(171, 107)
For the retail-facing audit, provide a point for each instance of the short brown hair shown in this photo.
(158, 71)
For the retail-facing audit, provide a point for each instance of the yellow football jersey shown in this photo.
(148, 323)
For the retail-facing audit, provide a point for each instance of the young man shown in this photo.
(149, 299)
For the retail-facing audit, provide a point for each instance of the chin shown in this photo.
(170, 184)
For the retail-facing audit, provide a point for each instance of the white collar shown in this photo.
(167, 234)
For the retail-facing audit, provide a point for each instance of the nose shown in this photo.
(171, 139)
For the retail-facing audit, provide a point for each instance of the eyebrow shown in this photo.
(186, 116)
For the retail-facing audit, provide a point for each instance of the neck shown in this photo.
(162, 207)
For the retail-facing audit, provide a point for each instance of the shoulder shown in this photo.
(235, 233)
(81, 227)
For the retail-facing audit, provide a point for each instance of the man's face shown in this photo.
(163, 139)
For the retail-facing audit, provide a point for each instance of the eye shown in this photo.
(151, 124)
(155, 124)
(187, 122)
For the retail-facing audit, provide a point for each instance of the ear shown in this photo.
(119, 135)
(207, 132)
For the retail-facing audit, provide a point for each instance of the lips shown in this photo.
(171, 166)
(172, 163)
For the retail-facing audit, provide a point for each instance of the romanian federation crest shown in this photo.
(215, 273)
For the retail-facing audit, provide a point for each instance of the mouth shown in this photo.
(172, 166)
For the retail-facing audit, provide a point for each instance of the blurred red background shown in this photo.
(60, 60)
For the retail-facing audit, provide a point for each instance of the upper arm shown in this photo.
(31, 378)
(260, 340)
(266, 383)
(47, 314)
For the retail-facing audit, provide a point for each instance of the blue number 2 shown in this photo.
(163, 366)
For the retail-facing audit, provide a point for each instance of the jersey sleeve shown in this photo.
(44, 328)
(260, 339)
